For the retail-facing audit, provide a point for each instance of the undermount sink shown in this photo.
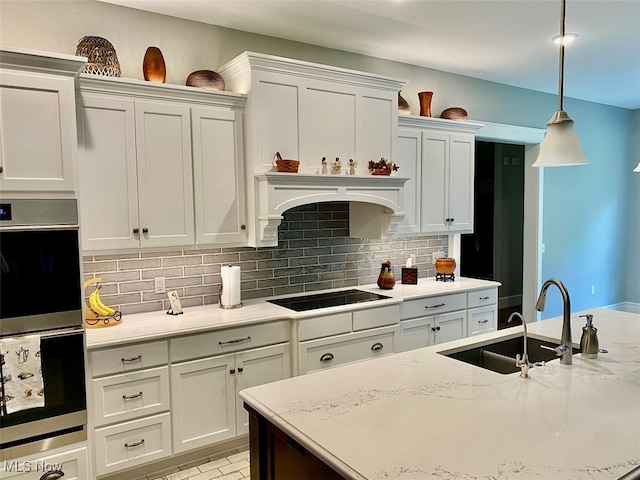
(500, 356)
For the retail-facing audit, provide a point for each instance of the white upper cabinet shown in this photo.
(218, 179)
(439, 194)
(159, 166)
(307, 111)
(37, 122)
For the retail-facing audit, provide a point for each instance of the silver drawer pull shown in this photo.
(484, 321)
(132, 396)
(435, 306)
(237, 340)
(52, 475)
(326, 357)
(377, 346)
(134, 444)
(137, 358)
(484, 298)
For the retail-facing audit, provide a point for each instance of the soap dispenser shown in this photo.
(589, 341)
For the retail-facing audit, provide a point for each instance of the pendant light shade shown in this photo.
(637, 169)
(560, 147)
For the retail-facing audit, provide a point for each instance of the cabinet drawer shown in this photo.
(229, 340)
(480, 298)
(433, 305)
(130, 395)
(376, 317)
(133, 443)
(324, 326)
(481, 320)
(128, 357)
(73, 463)
(327, 353)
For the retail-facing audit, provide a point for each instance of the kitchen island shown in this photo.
(420, 414)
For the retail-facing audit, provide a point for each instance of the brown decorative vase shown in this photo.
(425, 103)
(445, 265)
(153, 66)
(386, 280)
(403, 105)
(102, 58)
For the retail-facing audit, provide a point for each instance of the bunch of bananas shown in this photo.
(96, 312)
(99, 308)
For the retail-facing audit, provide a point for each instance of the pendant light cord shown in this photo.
(561, 67)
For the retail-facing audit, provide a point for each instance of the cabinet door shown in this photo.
(461, 183)
(482, 320)
(37, 132)
(218, 177)
(108, 188)
(435, 165)
(257, 367)
(450, 326)
(165, 174)
(415, 333)
(203, 400)
(409, 152)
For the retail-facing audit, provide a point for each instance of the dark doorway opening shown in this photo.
(494, 251)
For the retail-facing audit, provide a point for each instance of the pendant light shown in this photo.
(560, 146)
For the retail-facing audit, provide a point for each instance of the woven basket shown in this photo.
(101, 56)
(381, 171)
(285, 165)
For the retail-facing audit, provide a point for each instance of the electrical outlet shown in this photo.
(159, 284)
(593, 289)
(436, 255)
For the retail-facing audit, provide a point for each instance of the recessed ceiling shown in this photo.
(504, 41)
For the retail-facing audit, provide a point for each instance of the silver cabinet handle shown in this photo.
(326, 357)
(134, 444)
(137, 358)
(435, 306)
(132, 396)
(377, 346)
(237, 340)
(52, 475)
(484, 321)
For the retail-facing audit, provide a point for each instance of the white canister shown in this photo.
(230, 287)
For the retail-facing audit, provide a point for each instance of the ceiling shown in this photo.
(504, 41)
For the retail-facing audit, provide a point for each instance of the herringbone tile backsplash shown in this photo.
(314, 253)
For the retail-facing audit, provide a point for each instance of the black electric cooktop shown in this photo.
(303, 303)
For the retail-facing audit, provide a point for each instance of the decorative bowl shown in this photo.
(458, 114)
(206, 79)
(445, 265)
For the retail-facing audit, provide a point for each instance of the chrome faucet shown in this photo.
(564, 351)
(524, 362)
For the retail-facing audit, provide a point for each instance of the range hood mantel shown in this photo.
(281, 191)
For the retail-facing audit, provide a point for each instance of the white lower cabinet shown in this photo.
(443, 318)
(69, 464)
(205, 405)
(133, 443)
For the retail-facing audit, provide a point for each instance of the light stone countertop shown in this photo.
(158, 325)
(419, 414)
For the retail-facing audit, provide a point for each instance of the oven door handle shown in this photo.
(62, 332)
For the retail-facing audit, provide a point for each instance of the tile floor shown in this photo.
(230, 466)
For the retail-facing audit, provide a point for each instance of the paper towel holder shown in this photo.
(226, 307)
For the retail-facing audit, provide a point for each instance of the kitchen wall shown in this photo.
(314, 253)
(589, 228)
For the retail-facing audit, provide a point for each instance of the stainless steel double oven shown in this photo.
(40, 294)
